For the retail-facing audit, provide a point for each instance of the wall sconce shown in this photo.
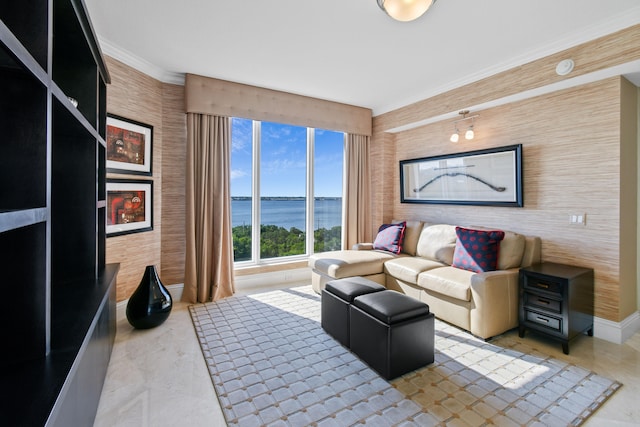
(469, 134)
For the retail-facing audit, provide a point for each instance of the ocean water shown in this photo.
(289, 213)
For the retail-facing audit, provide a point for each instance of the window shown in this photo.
(274, 167)
(327, 213)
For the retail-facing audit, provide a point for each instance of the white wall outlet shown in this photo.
(578, 219)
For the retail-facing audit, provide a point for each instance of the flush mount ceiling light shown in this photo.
(469, 134)
(405, 10)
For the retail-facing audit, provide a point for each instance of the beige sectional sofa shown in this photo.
(485, 304)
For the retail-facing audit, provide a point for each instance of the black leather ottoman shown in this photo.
(392, 332)
(336, 298)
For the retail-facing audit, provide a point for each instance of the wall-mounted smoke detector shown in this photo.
(564, 67)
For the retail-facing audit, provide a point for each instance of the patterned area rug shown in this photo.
(272, 364)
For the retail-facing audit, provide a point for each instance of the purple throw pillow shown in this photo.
(390, 237)
(477, 250)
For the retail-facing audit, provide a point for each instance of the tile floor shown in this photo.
(158, 377)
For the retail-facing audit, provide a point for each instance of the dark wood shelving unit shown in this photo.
(59, 294)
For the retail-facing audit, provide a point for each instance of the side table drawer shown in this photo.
(542, 302)
(544, 320)
(543, 285)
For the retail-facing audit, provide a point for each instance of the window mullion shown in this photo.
(255, 196)
(345, 166)
(310, 191)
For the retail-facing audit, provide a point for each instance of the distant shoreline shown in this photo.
(285, 198)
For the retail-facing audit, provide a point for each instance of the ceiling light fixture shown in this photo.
(455, 136)
(405, 10)
(469, 134)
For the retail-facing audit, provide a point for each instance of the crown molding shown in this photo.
(631, 70)
(142, 65)
(617, 23)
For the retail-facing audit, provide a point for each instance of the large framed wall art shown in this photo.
(129, 146)
(129, 206)
(491, 177)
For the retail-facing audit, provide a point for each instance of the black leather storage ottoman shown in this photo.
(392, 332)
(336, 298)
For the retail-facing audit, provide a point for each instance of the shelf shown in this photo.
(102, 110)
(73, 200)
(62, 98)
(102, 233)
(28, 22)
(52, 215)
(24, 274)
(74, 68)
(102, 172)
(23, 164)
(31, 388)
(10, 220)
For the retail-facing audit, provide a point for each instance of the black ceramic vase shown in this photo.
(151, 303)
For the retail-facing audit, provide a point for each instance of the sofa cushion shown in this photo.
(512, 249)
(390, 237)
(477, 250)
(407, 269)
(437, 242)
(348, 263)
(450, 281)
(411, 235)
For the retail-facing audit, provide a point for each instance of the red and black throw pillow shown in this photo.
(390, 237)
(477, 250)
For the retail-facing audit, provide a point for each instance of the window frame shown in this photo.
(256, 260)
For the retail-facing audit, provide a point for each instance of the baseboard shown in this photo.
(176, 291)
(616, 332)
(244, 284)
(272, 279)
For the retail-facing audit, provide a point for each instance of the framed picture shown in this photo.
(129, 206)
(128, 146)
(490, 177)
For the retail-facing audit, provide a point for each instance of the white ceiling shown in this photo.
(347, 50)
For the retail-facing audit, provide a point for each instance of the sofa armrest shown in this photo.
(495, 302)
(363, 247)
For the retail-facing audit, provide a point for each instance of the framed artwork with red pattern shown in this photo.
(129, 206)
(129, 145)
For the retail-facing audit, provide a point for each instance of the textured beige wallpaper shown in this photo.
(174, 160)
(573, 151)
(628, 195)
(580, 156)
(136, 96)
(572, 165)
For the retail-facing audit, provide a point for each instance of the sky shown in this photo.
(283, 160)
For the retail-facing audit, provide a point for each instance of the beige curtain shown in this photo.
(209, 243)
(357, 205)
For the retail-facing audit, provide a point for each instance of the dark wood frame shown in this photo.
(489, 177)
(130, 185)
(115, 166)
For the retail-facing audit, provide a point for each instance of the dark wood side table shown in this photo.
(557, 300)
